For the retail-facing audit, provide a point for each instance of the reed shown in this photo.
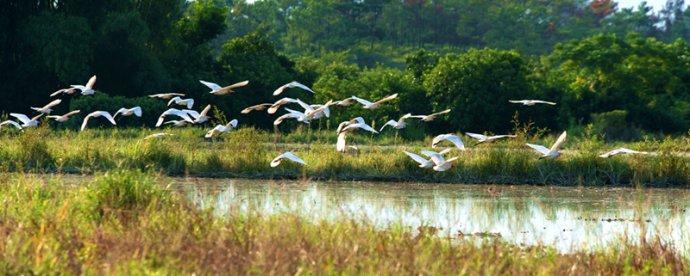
(50, 227)
(247, 153)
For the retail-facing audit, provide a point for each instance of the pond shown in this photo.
(565, 218)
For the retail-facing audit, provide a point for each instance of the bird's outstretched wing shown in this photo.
(417, 158)
(211, 85)
(391, 123)
(289, 156)
(539, 148)
(236, 85)
(559, 142)
(387, 98)
(456, 140)
(477, 136)
(10, 122)
(362, 101)
(21, 117)
(257, 107)
(91, 83)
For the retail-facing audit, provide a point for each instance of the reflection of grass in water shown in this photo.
(47, 228)
(247, 152)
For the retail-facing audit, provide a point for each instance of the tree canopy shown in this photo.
(472, 56)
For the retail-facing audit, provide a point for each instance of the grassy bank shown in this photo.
(247, 153)
(126, 223)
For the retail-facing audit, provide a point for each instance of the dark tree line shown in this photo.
(469, 55)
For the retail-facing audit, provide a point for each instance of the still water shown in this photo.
(565, 218)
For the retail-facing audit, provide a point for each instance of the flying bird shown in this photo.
(159, 135)
(184, 102)
(399, 124)
(220, 129)
(63, 118)
(218, 90)
(184, 114)
(430, 117)
(97, 114)
(440, 163)
(622, 151)
(553, 152)
(275, 106)
(483, 138)
(287, 156)
(292, 114)
(258, 107)
(347, 123)
(136, 111)
(317, 111)
(531, 102)
(12, 123)
(366, 104)
(293, 84)
(166, 96)
(456, 140)
(177, 123)
(85, 89)
(200, 118)
(47, 109)
(347, 127)
(26, 121)
(423, 162)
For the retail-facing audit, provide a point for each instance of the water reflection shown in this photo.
(566, 218)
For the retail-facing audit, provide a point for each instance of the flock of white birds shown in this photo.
(434, 159)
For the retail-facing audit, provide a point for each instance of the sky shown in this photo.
(657, 4)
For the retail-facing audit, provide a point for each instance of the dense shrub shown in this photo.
(613, 125)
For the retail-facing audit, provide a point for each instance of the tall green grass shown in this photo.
(247, 153)
(49, 227)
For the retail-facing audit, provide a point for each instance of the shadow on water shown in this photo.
(566, 218)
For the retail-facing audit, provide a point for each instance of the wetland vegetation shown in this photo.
(247, 152)
(124, 222)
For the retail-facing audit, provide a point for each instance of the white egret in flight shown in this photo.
(431, 117)
(97, 114)
(440, 163)
(200, 118)
(622, 151)
(366, 104)
(258, 107)
(347, 127)
(26, 121)
(12, 123)
(553, 152)
(218, 90)
(293, 84)
(159, 135)
(174, 112)
(287, 156)
(456, 140)
(166, 96)
(136, 111)
(399, 124)
(184, 102)
(220, 129)
(292, 114)
(484, 138)
(63, 118)
(275, 106)
(47, 109)
(85, 89)
(531, 102)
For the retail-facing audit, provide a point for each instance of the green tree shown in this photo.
(254, 58)
(643, 76)
(476, 86)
